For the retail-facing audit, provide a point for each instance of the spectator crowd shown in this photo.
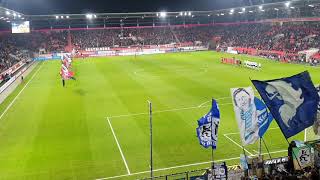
(288, 37)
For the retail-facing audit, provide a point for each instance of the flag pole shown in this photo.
(265, 145)
(212, 159)
(295, 156)
(246, 173)
(150, 123)
(260, 147)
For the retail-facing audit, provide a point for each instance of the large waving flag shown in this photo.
(292, 101)
(246, 114)
(207, 131)
(264, 117)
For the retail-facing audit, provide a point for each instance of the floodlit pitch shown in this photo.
(97, 127)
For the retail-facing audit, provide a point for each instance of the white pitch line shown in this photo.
(180, 166)
(168, 168)
(238, 145)
(233, 133)
(115, 137)
(9, 106)
(226, 97)
(166, 110)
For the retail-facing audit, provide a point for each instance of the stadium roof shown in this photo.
(92, 19)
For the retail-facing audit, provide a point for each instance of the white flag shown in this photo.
(246, 114)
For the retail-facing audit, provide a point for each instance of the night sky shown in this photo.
(99, 6)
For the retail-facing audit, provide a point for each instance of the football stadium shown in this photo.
(159, 90)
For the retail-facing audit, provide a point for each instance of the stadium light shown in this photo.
(310, 5)
(89, 16)
(260, 7)
(250, 11)
(232, 10)
(67, 17)
(57, 17)
(287, 4)
(240, 12)
(176, 16)
(276, 9)
(292, 7)
(243, 9)
(185, 13)
(7, 13)
(62, 17)
(208, 15)
(14, 14)
(181, 13)
(222, 14)
(163, 14)
(95, 16)
(189, 13)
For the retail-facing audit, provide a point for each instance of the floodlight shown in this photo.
(163, 14)
(7, 13)
(185, 13)
(240, 12)
(230, 13)
(260, 7)
(287, 4)
(57, 17)
(208, 15)
(292, 7)
(232, 10)
(89, 16)
(62, 17)
(67, 17)
(310, 5)
(222, 14)
(189, 13)
(95, 16)
(181, 13)
(243, 9)
(14, 14)
(250, 11)
(276, 9)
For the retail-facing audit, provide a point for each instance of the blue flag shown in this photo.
(264, 117)
(207, 130)
(292, 101)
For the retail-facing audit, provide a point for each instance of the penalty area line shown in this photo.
(238, 144)
(119, 147)
(166, 110)
(180, 166)
(17, 96)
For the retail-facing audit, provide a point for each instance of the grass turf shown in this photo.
(51, 132)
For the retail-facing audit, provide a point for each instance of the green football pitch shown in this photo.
(97, 127)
